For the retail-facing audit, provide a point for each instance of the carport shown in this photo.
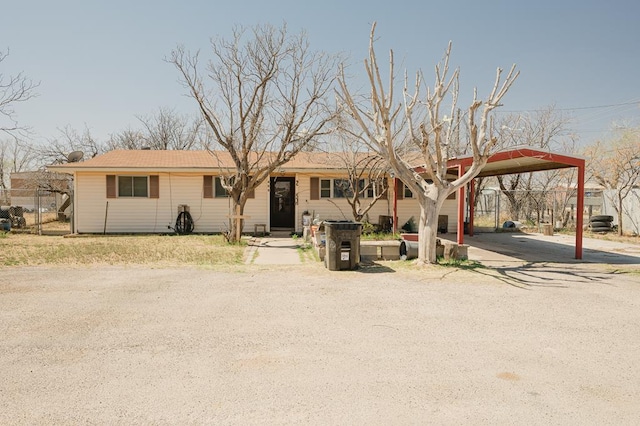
(519, 160)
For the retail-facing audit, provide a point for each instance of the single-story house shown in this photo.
(143, 191)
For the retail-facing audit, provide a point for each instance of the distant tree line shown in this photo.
(263, 95)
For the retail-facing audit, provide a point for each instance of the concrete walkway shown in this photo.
(273, 251)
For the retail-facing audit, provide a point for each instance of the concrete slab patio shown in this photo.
(505, 248)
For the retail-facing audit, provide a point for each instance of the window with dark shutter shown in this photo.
(154, 186)
(315, 188)
(207, 186)
(111, 186)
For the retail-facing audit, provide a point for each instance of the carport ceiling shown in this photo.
(519, 165)
(520, 160)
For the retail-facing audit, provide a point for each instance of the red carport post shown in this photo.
(580, 210)
(395, 205)
(472, 202)
(460, 227)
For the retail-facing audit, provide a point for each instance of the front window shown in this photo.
(342, 188)
(220, 191)
(375, 187)
(407, 192)
(133, 186)
(325, 188)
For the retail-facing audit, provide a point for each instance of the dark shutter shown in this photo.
(399, 190)
(111, 186)
(154, 186)
(207, 186)
(315, 188)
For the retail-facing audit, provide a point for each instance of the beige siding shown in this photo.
(146, 215)
(332, 208)
(409, 207)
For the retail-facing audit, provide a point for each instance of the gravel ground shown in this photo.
(303, 345)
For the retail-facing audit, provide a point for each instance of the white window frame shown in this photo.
(217, 185)
(133, 186)
(328, 191)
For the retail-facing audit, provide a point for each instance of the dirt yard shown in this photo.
(303, 345)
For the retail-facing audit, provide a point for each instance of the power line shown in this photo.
(575, 108)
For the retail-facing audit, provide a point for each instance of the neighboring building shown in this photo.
(142, 191)
(25, 188)
(630, 210)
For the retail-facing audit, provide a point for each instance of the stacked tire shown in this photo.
(601, 223)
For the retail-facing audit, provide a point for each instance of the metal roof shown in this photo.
(520, 160)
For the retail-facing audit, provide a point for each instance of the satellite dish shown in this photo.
(75, 156)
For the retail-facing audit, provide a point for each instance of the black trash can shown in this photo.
(343, 244)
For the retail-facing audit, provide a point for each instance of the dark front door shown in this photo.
(283, 202)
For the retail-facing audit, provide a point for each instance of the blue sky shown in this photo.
(101, 64)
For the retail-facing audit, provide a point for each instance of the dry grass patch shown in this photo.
(26, 249)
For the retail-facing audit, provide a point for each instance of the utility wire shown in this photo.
(573, 109)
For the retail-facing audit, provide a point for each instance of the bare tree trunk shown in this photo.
(236, 222)
(428, 233)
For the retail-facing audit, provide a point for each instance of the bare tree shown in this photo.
(367, 172)
(550, 191)
(616, 166)
(13, 89)
(168, 130)
(418, 125)
(126, 139)
(543, 129)
(69, 140)
(165, 130)
(57, 151)
(266, 101)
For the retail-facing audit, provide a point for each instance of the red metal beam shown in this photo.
(580, 210)
(395, 205)
(519, 153)
(472, 201)
(460, 227)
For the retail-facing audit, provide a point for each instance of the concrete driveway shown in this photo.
(302, 345)
(505, 248)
